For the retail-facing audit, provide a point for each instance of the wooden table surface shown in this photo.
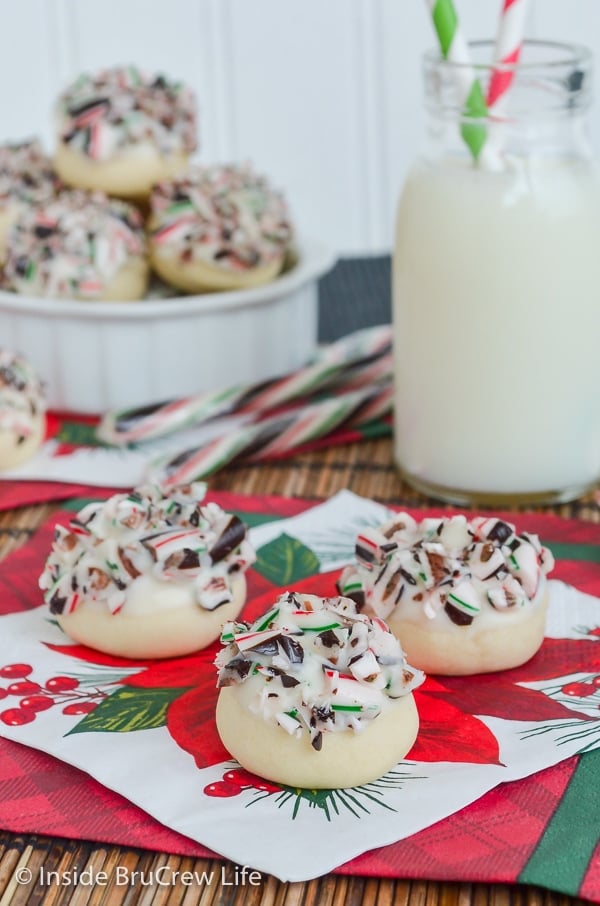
(367, 469)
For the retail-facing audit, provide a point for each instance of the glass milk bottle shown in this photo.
(496, 275)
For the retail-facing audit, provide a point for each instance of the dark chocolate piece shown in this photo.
(185, 559)
(501, 532)
(291, 648)
(410, 579)
(231, 537)
(457, 616)
(364, 553)
(317, 742)
(328, 638)
(57, 603)
(392, 583)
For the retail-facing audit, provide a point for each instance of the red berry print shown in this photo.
(37, 702)
(16, 717)
(596, 681)
(24, 687)
(222, 790)
(80, 707)
(242, 778)
(3, 692)
(578, 690)
(62, 684)
(595, 631)
(15, 671)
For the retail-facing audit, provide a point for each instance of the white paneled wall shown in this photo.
(323, 95)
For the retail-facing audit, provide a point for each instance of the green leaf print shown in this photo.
(127, 710)
(79, 434)
(286, 560)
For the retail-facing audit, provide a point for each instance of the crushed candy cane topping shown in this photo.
(22, 395)
(26, 174)
(226, 216)
(73, 246)
(451, 568)
(320, 666)
(99, 115)
(172, 537)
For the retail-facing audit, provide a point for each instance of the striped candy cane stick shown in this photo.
(508, 50)
(362, 375)
(274, 435)
(455, 50)
(356, 350)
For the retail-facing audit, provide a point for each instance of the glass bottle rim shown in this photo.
(551, 79)
(566, 54)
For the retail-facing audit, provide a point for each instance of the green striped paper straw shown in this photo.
(455, 50)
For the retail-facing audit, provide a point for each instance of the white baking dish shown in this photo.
(95, 356)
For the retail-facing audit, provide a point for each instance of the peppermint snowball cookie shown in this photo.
(463, 597)
(315, 694)
(218, 228)
(22, 410)
(121, 130)
(26, 178)
(78, 246)
(147, 574)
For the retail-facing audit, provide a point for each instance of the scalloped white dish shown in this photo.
(95, 356)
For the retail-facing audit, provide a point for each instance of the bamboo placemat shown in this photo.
(368, 470)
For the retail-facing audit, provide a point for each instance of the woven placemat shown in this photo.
(366, 468)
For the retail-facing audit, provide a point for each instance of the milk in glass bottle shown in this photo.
(496, 275)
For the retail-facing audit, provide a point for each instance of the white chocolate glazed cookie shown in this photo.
(26, 177)
(22, 410)
(218, 228)
(121, 130)
(315, 695)
(463, 597)
(78, 246)
(147, 575)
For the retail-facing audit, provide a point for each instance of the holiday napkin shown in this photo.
(474, 734)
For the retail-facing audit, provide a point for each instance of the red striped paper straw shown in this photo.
(509, 44)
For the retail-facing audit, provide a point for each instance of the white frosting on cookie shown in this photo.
(225, 216)
(315, 666)
(22, 395)
(146, 551)
(446, 571)
(101, 115)
(22, 410)
(26, 174)
(26, 178)
(74, 246)
(463, 597)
